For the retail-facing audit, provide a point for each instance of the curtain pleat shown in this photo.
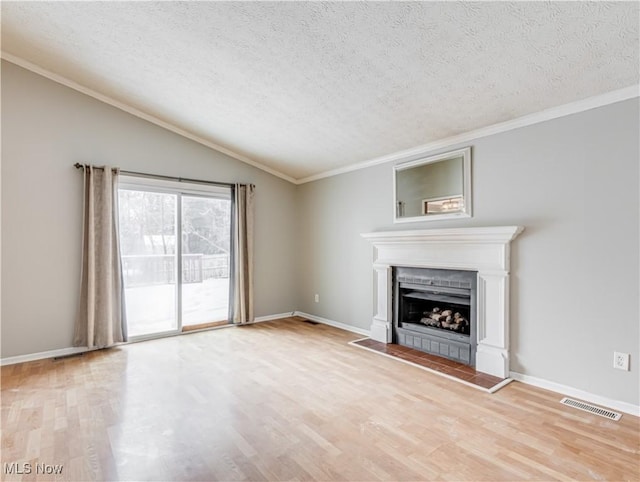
(242, 226)
(101, 318)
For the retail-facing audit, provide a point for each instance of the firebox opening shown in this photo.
(439, 313)
(434, 311)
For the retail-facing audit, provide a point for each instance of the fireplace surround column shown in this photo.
(381, 324)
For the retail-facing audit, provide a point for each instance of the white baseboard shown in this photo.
(625, 407)
(12, 360)
(259, 319)
(335, 324)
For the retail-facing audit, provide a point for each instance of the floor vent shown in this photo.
(587, 407)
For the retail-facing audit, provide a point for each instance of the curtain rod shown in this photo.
(77, 165)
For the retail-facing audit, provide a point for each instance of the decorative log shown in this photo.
(431, 322)
(446, 319)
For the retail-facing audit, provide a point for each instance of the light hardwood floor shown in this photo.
(287, 400)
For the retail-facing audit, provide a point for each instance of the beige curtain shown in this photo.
(242, 292)
(101, 315)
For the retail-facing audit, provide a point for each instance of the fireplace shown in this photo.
(483, 251)
(434, 310)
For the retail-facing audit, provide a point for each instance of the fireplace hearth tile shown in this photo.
(450, 368)
(463, 375)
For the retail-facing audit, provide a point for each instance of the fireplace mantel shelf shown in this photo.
(482, 249)
(496, 234)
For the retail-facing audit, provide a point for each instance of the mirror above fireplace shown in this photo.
(433, 188)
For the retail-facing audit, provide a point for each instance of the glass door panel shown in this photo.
(148, 227)
(206, 235)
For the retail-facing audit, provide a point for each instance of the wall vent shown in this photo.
(310, 322)
(587, 407)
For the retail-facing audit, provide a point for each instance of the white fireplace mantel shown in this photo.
(485, 250)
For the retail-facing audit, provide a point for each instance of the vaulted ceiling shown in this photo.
(309, 87)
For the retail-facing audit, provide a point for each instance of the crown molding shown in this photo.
(524, 121)
(25, 64)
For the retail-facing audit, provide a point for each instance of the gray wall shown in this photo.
(46, 128)
(573, 183)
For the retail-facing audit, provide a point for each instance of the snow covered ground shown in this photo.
(152, 309)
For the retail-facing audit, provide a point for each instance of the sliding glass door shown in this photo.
(175, 249)
(206, 246)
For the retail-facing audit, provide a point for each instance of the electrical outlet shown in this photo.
(621, 361)
(317, 298)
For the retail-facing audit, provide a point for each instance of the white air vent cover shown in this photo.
(591, 408)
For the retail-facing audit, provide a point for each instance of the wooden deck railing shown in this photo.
(154, 269)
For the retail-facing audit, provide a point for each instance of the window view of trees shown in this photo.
(205, 225)
(147, 223)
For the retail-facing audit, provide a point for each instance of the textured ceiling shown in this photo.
(306, 87)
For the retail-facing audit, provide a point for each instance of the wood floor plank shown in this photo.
(287, 400)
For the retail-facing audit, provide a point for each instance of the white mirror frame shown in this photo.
(466, 186)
